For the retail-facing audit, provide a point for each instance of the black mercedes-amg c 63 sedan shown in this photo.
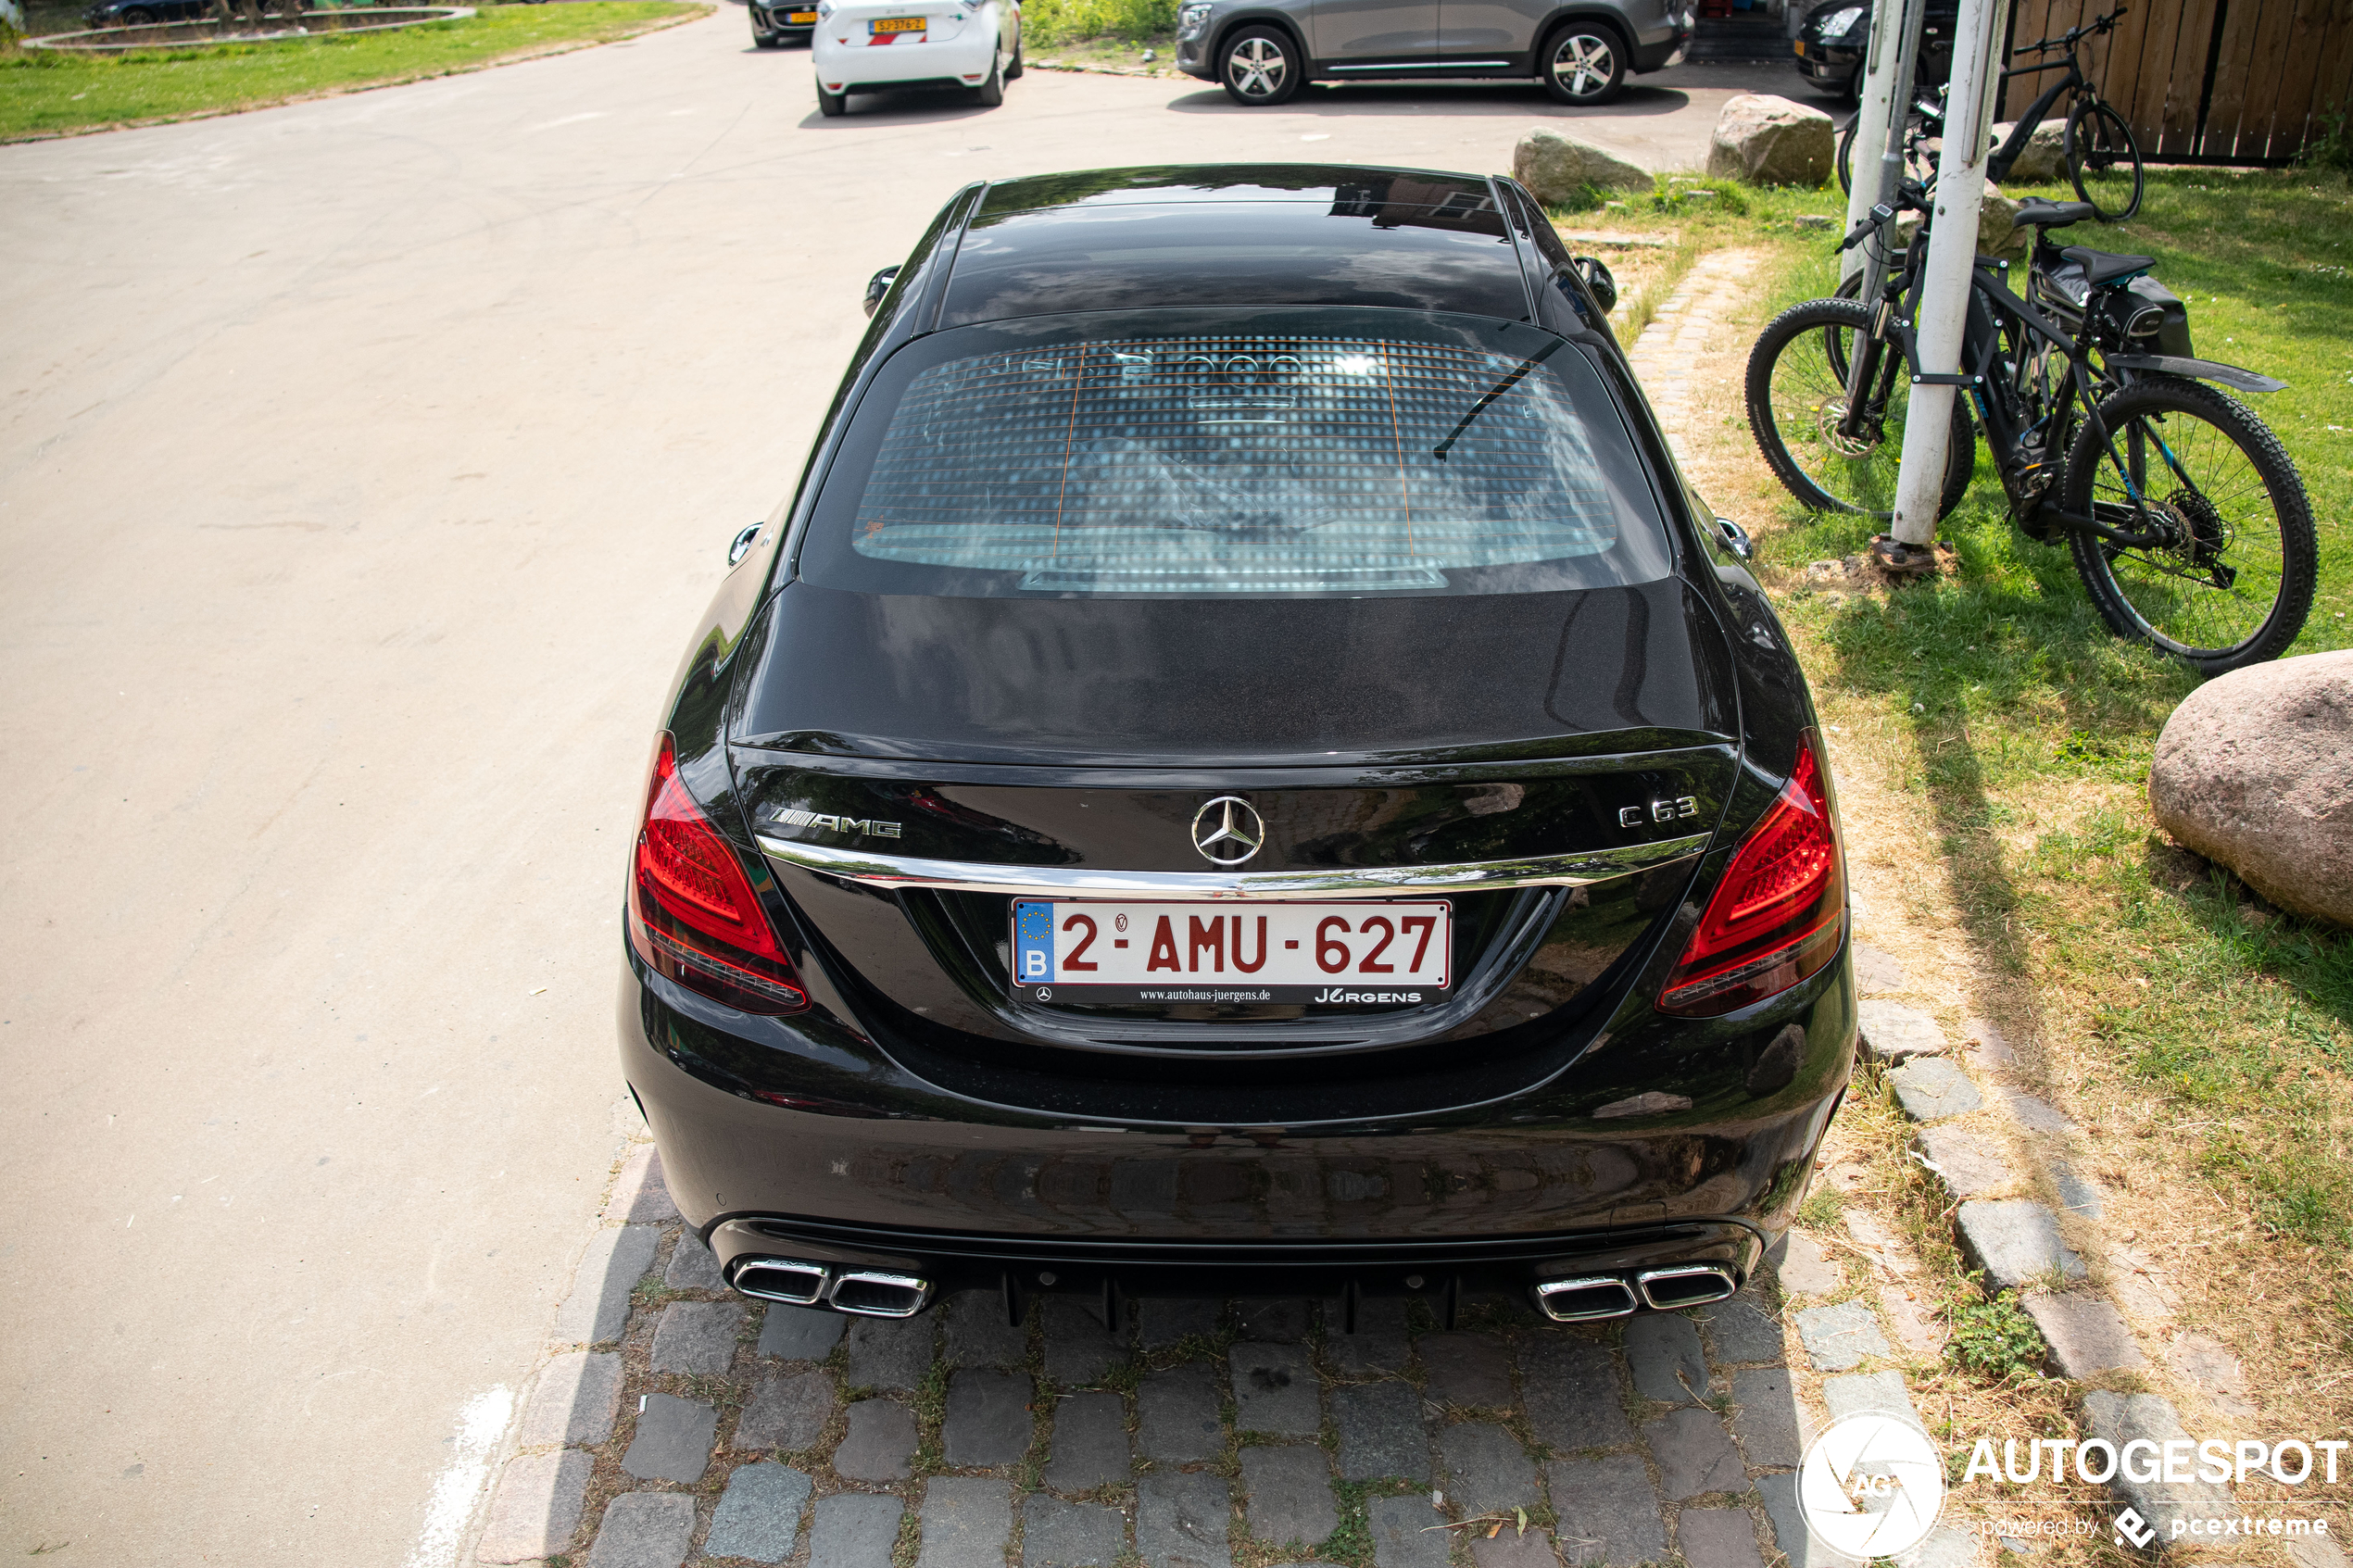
(1242, 768)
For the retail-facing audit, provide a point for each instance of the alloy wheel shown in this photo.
(1584, 65)
(1257, 68)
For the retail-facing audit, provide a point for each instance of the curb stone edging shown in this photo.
(2017, 1242)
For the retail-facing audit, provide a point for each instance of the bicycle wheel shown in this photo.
(1797, 398)
(2231, 579)
(2103, 161)
(1846, 153)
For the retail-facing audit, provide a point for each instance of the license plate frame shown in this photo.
(1128, 939)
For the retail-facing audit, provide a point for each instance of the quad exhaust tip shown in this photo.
(866, 1292)
(1583, 1300)
(1663, 1290)
(1608, 1295)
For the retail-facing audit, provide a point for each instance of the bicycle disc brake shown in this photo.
(1833, 415)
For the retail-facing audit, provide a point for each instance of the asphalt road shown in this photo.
(362, 465)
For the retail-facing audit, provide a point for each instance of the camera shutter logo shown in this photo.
(1872, 1486)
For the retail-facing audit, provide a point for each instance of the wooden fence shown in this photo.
(2234, 82)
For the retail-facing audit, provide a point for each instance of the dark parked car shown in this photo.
(1263, 51)
(145, 13)
(774, 26)
(1831, 42)
(1243, 767)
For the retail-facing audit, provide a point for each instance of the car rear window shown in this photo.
(1237, 459)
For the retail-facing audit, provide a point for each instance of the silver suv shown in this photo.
(1261, 50)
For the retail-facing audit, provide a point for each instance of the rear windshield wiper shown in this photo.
(1494, 391)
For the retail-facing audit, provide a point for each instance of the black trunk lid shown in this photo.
(1049, 740)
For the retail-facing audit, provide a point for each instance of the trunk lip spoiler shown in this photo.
(1577, 869)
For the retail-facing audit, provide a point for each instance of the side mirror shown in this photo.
(1598, 278)
(740, 547)
(1736, 538)
(879, 285)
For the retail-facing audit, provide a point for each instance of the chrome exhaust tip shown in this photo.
(783, 1279)
(876, 1294)
(1667, 1290)
(1581, 1300)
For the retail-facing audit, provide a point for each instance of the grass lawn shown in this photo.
(1114, 51)
(46, 93)
(1998, 739)
(1059, 24)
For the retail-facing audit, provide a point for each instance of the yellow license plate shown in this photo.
(801, 18)
(1801, 47)
(898, 24)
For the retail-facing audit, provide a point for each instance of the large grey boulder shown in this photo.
(1559, 169)
(1996, 213)
(1768, 141)
(2255, 770)
(2040, 161)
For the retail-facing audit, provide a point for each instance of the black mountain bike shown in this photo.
(1923, 130)
(2103, 161)
(2187, 521)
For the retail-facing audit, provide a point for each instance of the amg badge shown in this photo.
(864, 826)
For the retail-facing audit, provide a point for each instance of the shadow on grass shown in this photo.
(2312, 959)
(2006, 631)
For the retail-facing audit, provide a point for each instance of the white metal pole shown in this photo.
(1952, 261)
(1886, 102)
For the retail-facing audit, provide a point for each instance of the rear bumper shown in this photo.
(866, 68)
(1658, 56)
(1439, 1272)
(798, 1138)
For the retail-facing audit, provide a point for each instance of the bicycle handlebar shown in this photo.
(1909, 194)
(1867, 228)
(2076, 35)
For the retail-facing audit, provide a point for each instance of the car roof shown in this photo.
(1235, 235)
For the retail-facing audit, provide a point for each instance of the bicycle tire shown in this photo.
(1808, 401)
(1846, 153)
(2098, 138)
(2208, 529)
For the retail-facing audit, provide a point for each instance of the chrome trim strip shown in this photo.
(1371, 882)
(1426, 65)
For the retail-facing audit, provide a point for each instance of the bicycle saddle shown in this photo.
(2036, 212)
(2101, 267)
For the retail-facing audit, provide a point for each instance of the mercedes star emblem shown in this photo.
(1227, 831)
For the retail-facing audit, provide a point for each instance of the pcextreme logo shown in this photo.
(1872, 1486)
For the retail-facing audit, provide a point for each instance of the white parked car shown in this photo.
(874, 46)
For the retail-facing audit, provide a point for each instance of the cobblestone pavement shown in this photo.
(1690, 321)
(676, 1423)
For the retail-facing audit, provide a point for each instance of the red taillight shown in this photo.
(1779, 912)
(693, 916)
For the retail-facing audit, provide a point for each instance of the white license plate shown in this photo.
(1108, 950)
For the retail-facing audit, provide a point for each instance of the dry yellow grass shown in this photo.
(1940, 890)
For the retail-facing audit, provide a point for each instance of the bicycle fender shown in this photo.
(2201, 370)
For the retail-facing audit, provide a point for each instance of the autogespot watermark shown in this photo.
(1873, 1485)
(2147, 1460)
